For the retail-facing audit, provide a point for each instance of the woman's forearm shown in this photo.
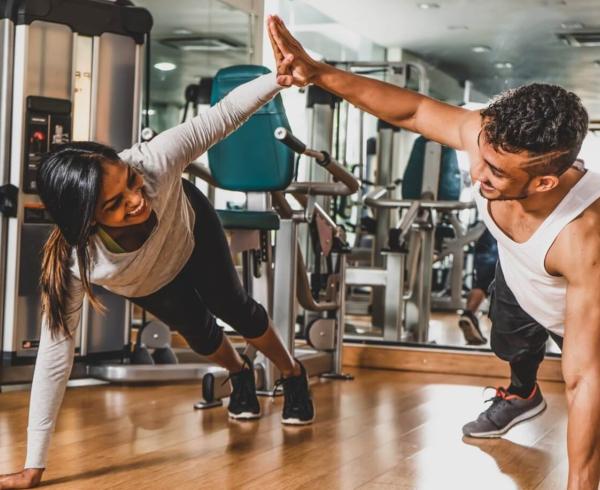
(174, 149)
(52, 369)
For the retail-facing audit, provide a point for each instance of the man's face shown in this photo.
(501, 175)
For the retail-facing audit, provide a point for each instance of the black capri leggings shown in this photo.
(208, 285)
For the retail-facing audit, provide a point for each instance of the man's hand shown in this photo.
(294, 65)
(449, 125)
(28, 478)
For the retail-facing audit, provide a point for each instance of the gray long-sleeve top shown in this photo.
(157, 262)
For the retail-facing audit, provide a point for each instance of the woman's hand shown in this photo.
(28, 478)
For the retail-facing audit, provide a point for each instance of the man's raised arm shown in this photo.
(401, 107)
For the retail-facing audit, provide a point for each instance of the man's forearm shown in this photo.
(404, 108)
(583, 435)
(389, 102)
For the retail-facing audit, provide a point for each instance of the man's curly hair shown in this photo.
(547, 121)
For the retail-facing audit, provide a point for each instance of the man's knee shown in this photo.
(511, 345)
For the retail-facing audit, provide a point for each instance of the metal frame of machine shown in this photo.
(68, 70)
(325, 334)
(398, 265)
(407, 277)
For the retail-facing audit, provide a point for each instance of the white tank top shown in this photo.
(541, 295)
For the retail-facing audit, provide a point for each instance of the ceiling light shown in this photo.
(458, 28)
(581, 39)
(503, 65)
(428, 6)
(182, 32)
(571, 26)
(165, 66)
(204, 43)
(481, 49)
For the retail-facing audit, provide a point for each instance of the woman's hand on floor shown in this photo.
(28, 478)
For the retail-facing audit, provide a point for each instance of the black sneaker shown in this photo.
(243, 403)
(298, 406)
(506, 411)
(469, 324)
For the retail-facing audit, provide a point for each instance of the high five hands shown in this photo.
(294, 65)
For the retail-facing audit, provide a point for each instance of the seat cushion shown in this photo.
(251, 159)
(450, 179)
(249, 220)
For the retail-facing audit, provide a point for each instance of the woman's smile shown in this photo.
(139, 209)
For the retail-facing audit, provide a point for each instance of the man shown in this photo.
(545, 214)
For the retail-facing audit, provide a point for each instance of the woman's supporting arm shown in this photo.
(52, 368)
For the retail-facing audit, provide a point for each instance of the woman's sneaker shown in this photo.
(469, 324)
(506, 411)
(243, 403)
(298, 406)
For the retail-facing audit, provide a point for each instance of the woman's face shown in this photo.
(122, 201)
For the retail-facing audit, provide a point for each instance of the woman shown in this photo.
(129, 223)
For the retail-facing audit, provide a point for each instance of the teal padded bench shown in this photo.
(250, 159)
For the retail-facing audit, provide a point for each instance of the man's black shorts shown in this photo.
(515, 334)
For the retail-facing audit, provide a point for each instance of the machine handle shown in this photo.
(201, 171)
(345, 177)
(376, 199)
(347, 182)
(290, 140)
(287, 138)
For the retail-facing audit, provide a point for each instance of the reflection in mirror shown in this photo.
(412, 271)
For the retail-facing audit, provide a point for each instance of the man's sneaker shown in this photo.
(298, 407)
(506, 411)
(243, 403)
(469, 324)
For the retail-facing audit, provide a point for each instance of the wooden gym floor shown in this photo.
(384, 430)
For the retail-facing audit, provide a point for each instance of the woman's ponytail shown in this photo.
(54, 282)
(68, 181)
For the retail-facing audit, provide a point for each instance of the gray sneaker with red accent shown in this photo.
(506, 411)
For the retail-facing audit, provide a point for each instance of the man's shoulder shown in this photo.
(469, 131)
(587, 224)
(578, 244)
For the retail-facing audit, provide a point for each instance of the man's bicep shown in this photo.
(445, 123)
(581, 346)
